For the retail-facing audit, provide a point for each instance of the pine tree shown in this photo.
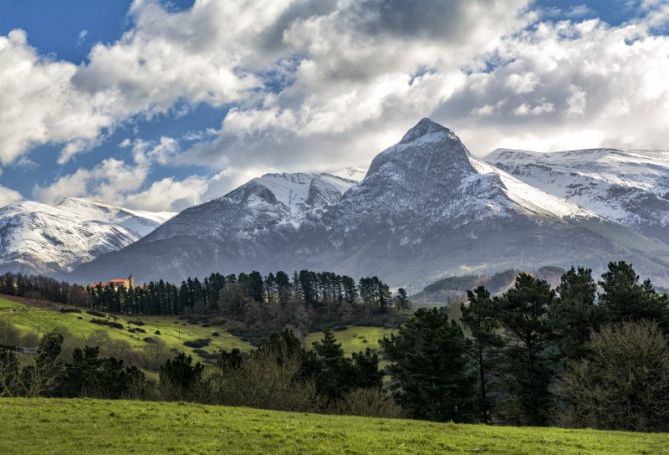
(523, 312)
(431, 373)
(575, 314)
(484, 342)
(626, 299)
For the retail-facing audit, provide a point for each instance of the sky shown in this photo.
(161, 105)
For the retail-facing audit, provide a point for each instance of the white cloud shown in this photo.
(38, 103)
(8, 196)
(347, 79)
(110, 181)
(169, 194)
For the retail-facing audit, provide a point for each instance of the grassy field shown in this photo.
(354, 338)
(173, 331)
(55, 426)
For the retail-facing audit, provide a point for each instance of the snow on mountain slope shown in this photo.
(627, 187)
(41, 238)
(425, 209)
(140, 222)
(273, 201)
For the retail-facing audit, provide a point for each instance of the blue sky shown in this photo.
(162, 105)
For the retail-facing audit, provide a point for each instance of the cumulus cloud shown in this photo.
(593, 85)
(169, 194)
(8, 196)
(38, 103)
(323, 84)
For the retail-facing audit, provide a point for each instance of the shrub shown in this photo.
(371, 402)
(157, 332)
(215, 334)
(198, 343)
(69, 310)
(623, 383)
(112, 324)
(268, 380)
(9, 335)
(136, 322)
(97, 313)
(136, 330)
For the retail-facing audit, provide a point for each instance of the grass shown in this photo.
(355, 338)
(173, 331)
(57, 426)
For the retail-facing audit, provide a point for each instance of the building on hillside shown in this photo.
(115, 283)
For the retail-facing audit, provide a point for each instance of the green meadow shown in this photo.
(59, 426)
(173, 331)
(355, 338)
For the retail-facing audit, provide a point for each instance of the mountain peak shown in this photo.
(423, 128)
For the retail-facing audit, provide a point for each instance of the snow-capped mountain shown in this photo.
(627, 187)
(40, 238)
(425, 209)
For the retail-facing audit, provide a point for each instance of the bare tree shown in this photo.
(623, 383)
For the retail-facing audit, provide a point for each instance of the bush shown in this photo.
(97, 313)
(215, 334)
(198, 343)
(157, 332)
(623, 384)
(112, 324)
(371, 402)
(136, 330)
(136, 322)
(9, 335)
(268, 380)
(69, 310)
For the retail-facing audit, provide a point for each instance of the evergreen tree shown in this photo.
(523, 312)
(402, 301)
(484, 342)
(626, 299)
(575, 313)
(181, 375)
(432, 377)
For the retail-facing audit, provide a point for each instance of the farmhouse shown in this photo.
(115, 283)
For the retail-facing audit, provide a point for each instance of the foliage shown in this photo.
(431, 373)
(623, 383)
(479, 316)
(523, 313)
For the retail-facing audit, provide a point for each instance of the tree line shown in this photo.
(43, 288)
(265, 303)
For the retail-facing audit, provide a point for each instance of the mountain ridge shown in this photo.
(425, 209)
(40, 238)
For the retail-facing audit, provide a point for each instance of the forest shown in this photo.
(587, 353)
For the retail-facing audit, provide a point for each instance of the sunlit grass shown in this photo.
(56, 426)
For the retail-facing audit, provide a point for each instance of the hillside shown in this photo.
(173, 331)
(55, 426)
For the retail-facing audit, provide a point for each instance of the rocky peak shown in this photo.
(423, 128)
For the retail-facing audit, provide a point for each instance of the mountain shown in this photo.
(453, 289)
(627, 187)
(425, 209)
(40, 238)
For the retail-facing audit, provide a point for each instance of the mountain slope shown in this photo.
(627, 187)
(40, 238)
(426, 209)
